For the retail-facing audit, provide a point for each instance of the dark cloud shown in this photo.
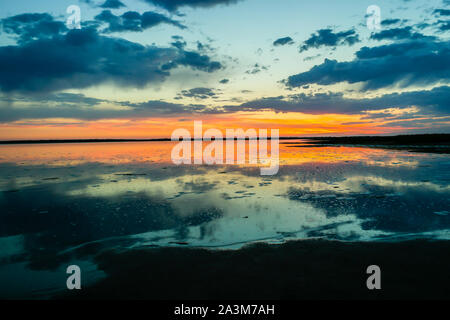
(31, 26)
(134, 21)
(419, 123)
(61, 99)
(83, 58)
(224, 81)
(422, 25)
(161, 108)
(309, 58)
(112, 4)
(69, 98)
(443, 25)
(402, 65)
(256, 68)
(435, 100)
(395, 49)
(205, 48)
(283, 41)
(78, 106)
(388, 22)
(328, 38)
(173, 5)
(194, 60)
(442, 12)
(198, 93)
(80, 59)
(179, 43)
(398, 34)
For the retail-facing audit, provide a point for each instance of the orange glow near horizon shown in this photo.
(291, 153)
(289, 124)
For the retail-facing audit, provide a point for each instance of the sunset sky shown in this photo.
(142, 68)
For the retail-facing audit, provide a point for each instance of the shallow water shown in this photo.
(63, 203)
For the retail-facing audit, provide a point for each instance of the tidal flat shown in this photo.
(122, 211)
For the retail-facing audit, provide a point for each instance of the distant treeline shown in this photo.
(78, 141)
(111, 140)
(413, 139)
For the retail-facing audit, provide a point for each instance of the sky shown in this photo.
(143, 68)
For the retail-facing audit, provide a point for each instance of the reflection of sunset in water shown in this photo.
(315, 186)
(63, 198)
(78, 153)
(160, 152)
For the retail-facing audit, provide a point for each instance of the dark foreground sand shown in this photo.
(311, 269)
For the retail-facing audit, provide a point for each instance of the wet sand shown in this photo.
(308, 269)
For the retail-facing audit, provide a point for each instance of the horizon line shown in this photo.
(99, 140)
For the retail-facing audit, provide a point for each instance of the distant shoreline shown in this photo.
(107, 140)
(78, 141)
(414, 139)
(428, 143)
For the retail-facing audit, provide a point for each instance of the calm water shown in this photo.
(63, 203)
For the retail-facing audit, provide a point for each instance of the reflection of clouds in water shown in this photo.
(395, 162)
(11, 246)
(397, 184)
(51, 222)
(362, 184)
(338, 193)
